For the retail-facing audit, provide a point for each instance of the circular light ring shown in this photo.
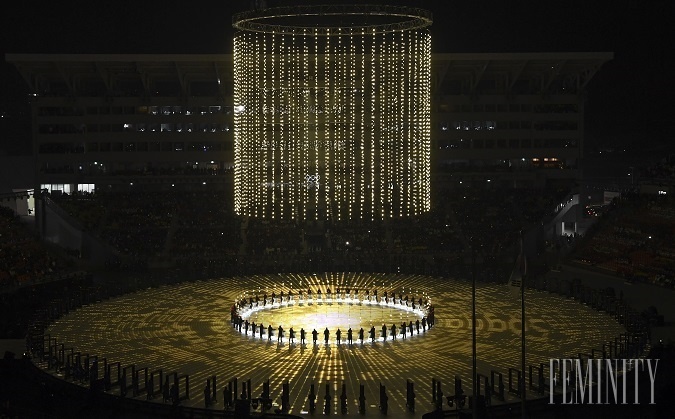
(246, 306)
(244, 309)
(268, 20)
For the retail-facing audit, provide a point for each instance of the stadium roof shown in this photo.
(470, 68)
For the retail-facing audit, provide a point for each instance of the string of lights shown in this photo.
(332, 123)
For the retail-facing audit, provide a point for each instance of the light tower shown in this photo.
(332, 112)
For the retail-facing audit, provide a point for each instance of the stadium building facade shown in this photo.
(121, 122)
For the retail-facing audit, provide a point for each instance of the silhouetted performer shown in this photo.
(417, 324)
(174, 394)
(410, 328)
(403, 330)
(488, 395)
(262, 330)
(327, 398)
(372, 334)
(326, 334)
(291, 334)
(424, 324)
(246, 327)
(280, 335)
(338, 334)
(393, 331)
(123, 384)
(244, 395)
(312, 399)
(349, 336)
(269, 332)
(151, 387)
(302, 336)
(384, 332)
(166, 390)
(343, 399)
(384, 405)
(93, 371)
(314, 336)
(541, 379)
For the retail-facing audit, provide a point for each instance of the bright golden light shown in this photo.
(332, 123)
(333, 314)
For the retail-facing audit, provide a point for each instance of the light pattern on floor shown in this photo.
(186, 328)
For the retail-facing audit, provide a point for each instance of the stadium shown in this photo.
(332, 172)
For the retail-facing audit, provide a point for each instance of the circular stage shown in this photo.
(187, 328)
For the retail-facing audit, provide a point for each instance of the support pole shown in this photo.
(522, 334)
(474, 385)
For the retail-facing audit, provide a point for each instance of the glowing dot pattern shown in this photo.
(350, 111)
(186, 328)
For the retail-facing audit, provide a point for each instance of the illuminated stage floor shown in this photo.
(186, 328)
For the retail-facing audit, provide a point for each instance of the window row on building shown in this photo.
(68, 188)
(127, 127)
(133, 88)
(118, 146)
(134, 110)
(501, 125)
(173, 110)
(48, 129)
(487, 165)
(519, 143)
(509, 107)
(112, 168)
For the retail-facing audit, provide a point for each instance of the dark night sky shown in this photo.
(629, 100)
